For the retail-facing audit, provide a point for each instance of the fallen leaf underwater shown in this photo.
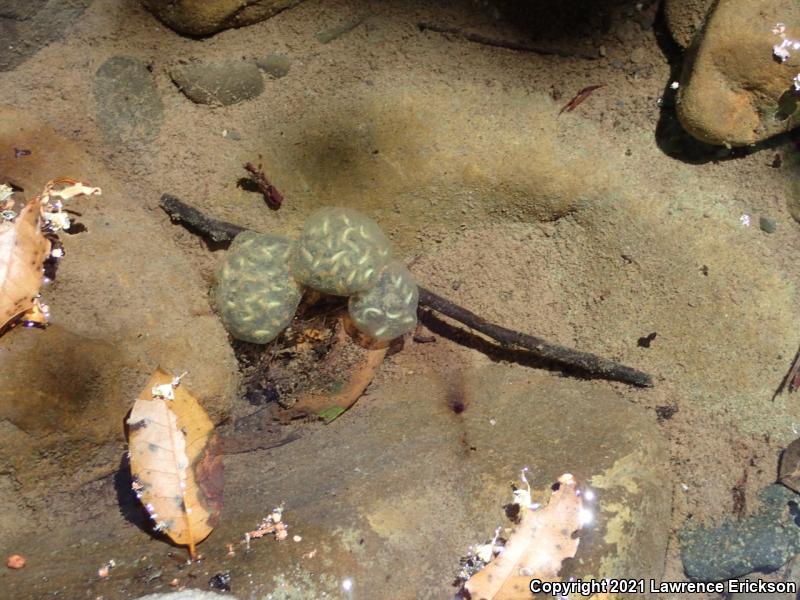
(176, 471)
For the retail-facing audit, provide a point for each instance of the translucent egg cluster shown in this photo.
(340, 252)
(389, 308)
(256, 296)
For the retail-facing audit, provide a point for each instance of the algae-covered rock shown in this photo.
(340, 252)
(389, 308)
(761, 542)
(255, 295)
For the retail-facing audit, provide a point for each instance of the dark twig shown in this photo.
(180, 212)
(792, 379)
(589, 363)
(479, 38)
(272, 196)
(579, 98)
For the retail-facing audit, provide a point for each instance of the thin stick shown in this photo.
(484, 40)
(791, 380)
(589, 363)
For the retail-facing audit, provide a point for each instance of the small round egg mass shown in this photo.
(389, 308)
(256, 296)
(340, 252)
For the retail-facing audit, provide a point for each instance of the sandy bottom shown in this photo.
(600, 228)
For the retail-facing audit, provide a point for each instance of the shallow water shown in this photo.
(605, 228)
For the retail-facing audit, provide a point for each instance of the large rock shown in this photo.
(733, 91)
(685, 18)
(204, 17)
(762, 542)
(124, 301)
(401, 486)
(28, 25)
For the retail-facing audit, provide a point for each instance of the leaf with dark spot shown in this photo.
(174, 461)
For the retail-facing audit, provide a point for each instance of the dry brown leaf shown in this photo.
(23, 250)
(67, 189)
(177, 472)
(535, 549)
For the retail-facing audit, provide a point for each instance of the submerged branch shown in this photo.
(508, 338)
(590, 364)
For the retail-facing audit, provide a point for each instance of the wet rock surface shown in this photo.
(65, 390)
(392, 494)
(205, 17)
(28, 25)
(732, 87)
(685, 18)
(399, 488)
(575, 227)
(761, 542)
(128, 105)
(221, 83)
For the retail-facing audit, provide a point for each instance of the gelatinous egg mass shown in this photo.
(256, 296)
(340, 252)
(389, 308)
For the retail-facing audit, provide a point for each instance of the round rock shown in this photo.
(222, 83)
(763, 541)
(128, 106)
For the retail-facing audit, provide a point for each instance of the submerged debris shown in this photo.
(15, 561)
(271, 524)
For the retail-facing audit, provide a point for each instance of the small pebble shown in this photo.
(15, 561)
(638, 55)
(221, 582)
(767, 225)
(275, 64)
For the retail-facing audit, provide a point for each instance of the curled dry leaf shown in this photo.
(331, 406)
(535, 549)
(177, 472)
(24, 247)
(23, 250)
